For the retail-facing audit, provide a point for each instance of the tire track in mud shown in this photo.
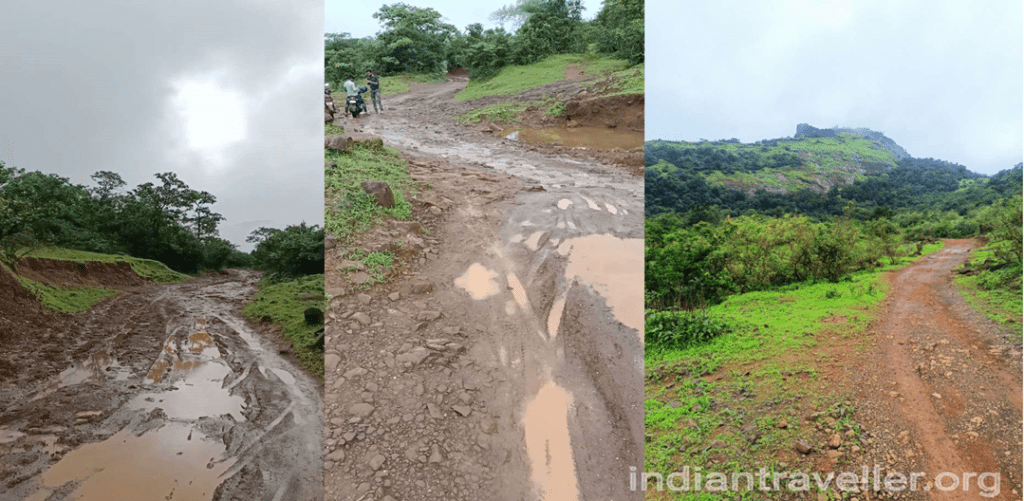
(506, 363)
(175, 397)
(950, 379)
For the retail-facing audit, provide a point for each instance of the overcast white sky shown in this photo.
(225, 93)
(356, 18)
(943, 79)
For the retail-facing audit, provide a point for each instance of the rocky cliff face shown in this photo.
(807, 130)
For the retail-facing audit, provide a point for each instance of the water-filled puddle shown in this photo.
(172, 462)
(578, 137)
(201, 392)
(478, 281)
(546, 429)
(615, 268)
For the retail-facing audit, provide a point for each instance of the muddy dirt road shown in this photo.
(163, 392)
(942, 387)
(504, 358)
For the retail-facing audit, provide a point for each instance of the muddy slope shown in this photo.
(162, 392)
(942, 387)
(504, 360)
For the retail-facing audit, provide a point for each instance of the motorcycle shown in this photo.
(354, 105)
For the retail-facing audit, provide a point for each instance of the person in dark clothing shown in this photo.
(373, 82)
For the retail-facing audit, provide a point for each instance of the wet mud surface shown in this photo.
(941, 390)
(503, 360)
(162, 392)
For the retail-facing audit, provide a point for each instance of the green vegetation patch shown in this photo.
(621, 79)
(146, 268)
(400, 84)
(348, 209)
(985, 293)
(331, 129)
(277, 303)
(503, 113)
(515, 79)
(66, 300)
(621, 82)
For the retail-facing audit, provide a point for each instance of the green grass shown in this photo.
(765, 369)
(515, 79)
(621, 82)
(348, 210)
(146, 268)
(504, 113)
(999, 304)
(62, 299)
(277, 303)
(400, 84)
(331, 129)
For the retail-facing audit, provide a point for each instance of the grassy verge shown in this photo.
(741, 400)
(278, 303)
(514, 79)
(331, 129)
(511, 113)
(400, 84)
(146, 268)
(999, 304)
(348, 210)
(621, 82)
(61, 299)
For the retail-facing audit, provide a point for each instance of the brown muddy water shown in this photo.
(578, 137)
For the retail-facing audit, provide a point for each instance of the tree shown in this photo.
(296, 251)
(551, 27)
(414, 39)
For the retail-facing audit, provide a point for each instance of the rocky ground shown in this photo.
(503, 359)
(162, 392)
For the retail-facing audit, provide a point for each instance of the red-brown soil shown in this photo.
(942, 387)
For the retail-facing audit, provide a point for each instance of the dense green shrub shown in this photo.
(666, 330)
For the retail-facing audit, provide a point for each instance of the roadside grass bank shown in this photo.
(512, 80)
(984, 293)
(350, 212)
(145, 268)
(67, 300)
(284, 304)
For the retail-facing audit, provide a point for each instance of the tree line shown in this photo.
(166, 221)
(416, 40)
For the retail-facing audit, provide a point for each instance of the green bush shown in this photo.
(667, 330)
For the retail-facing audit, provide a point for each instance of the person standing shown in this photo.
(373, 82)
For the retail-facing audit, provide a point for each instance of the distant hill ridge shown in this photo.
(807, 130)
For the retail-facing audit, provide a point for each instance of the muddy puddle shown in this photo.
(546, 430)
(176, 397)
(578, 137)
(172, 462)
(615, 268)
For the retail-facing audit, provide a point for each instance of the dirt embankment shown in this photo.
(73, 274)
(503, 359)
(161, 392)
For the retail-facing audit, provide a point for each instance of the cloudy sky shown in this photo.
(941, 78)
(225, 93)
(356, 18)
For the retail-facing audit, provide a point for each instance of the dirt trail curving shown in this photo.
(162, 392)
(942, 387)
(504, 359)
